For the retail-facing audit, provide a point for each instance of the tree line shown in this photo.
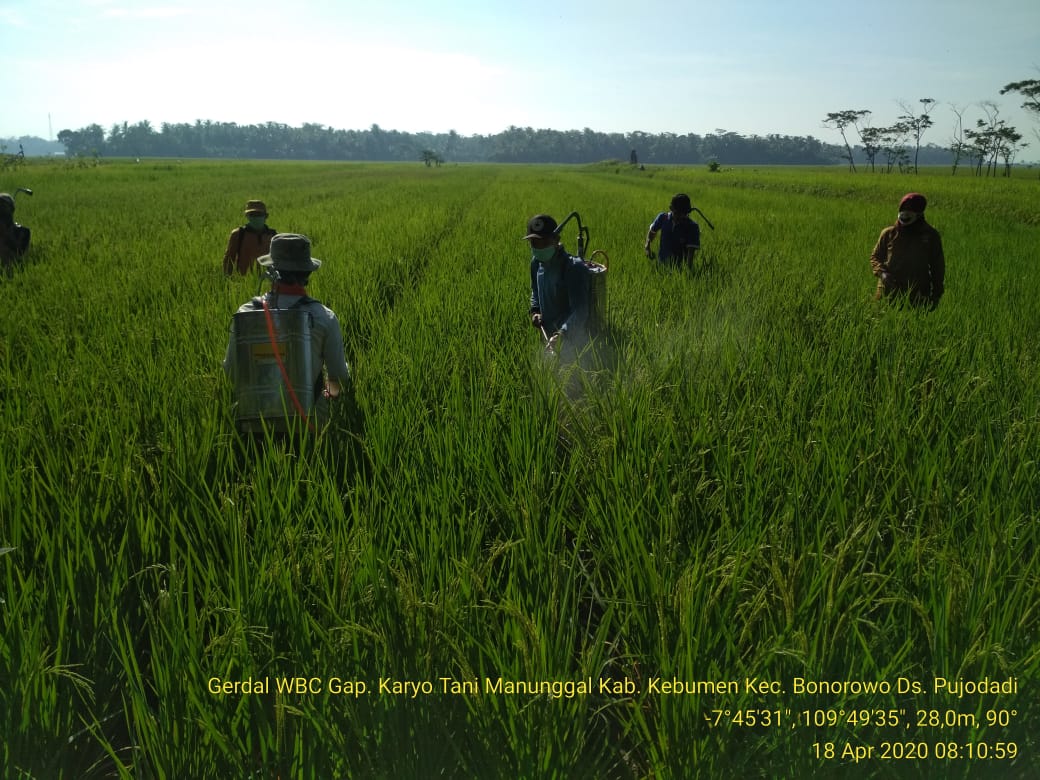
(273, 140)
(208, 139)
(899, 146)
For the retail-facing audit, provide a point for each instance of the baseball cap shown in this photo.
(540, 226)
(681, 203)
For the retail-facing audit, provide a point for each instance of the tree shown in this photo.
(450, 144)
(917, 123)
(893, 144)
(1007, 146)
(430, 157)
(1030, 90)
(992, 139)
(89, 140)
(128, 140)
(958, 146)
(843, 119)
(871, 138)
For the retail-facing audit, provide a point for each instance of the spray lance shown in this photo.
(583, 242)
(12, 199)
(687, 254)
(265, 273)
(706, 220)
(583, 232)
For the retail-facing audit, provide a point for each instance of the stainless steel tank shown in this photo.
(260, 391)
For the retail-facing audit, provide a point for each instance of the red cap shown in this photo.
(913, 201)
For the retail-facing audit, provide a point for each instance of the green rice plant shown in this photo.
(763, 475)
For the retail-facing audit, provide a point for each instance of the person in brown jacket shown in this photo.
(250, 241)
(908, 258)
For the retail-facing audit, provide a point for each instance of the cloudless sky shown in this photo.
(748, 66)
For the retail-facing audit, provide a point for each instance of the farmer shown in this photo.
(680, 235)
(247, 242)
(14, 238)
(292, 264)
(560, 305)
(908, 258)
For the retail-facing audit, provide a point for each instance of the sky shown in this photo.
(480, 66)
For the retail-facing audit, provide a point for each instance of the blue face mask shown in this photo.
(256, 222)
(543, 255)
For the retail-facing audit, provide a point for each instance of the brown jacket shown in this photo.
(244, 246)
(909, 259)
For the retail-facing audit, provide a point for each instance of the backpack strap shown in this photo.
(281, 368)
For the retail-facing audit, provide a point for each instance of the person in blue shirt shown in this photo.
(680, 235)
(560, 304)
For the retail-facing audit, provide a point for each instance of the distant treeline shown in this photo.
(207, 139)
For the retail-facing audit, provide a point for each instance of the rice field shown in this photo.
(777, 529)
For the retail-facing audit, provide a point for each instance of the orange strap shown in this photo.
(281, 367)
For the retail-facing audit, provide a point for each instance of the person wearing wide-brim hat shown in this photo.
(249, 241)
(290, 265)
(908, 258)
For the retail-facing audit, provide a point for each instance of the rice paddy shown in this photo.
(496, 566)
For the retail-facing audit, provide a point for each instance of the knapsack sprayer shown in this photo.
(596, 277)
(273, 365)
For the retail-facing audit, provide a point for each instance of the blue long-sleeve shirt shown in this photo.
(560, 292)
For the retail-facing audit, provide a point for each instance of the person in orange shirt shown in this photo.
(249, 241)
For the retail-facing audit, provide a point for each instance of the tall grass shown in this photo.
(767, 475)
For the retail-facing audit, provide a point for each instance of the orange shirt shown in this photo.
(244, 246)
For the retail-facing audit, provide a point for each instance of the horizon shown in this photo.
(856, 145)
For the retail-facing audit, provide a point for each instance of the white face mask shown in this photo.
(907, 217)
